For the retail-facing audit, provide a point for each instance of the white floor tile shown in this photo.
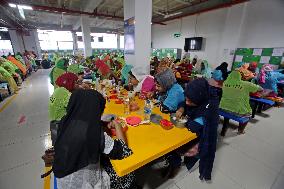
(279, 182)
(219, 181)
(260, 151)
(26, 177)
(245, 171)
(22, 152)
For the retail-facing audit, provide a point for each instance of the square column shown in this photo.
(142, 13)
(86, 35)
(75, 43)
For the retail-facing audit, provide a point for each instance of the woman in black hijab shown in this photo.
(224, 69)
(82, 141)
(202, 110)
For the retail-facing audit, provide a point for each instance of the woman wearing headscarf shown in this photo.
(18, 64)
(125, 73)
(67, 80)
(202, 111)
(6, 76)
(58, 102)
(75, 68)
(143, 84)
(268, 79)
(205, 70)
(163, 65)
(12, 69)
(103, 69)
(247, 75)
(253, 68)
(236, 97)
(170, 92)
(59, 69)
(81, 142)
(224, 69)
(217, 82)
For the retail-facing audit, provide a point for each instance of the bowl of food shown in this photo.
(166, 124)
(180, 123)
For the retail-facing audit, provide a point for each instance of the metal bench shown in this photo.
(227, 116)
(258, 104)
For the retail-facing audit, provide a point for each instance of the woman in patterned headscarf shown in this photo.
(268, 78)
(247, 75)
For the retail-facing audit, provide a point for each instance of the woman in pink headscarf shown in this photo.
(268, 78)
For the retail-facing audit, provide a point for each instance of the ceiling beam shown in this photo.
(183, 2)
(89, 7)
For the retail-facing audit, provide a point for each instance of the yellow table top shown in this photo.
(148, 142)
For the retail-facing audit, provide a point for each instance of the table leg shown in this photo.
(225, 127)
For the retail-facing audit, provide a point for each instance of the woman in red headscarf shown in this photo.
(253, 68)
(67, 80)
(103, 69)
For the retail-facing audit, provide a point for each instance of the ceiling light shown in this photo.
(3, 28)
(12, 5)
(25, 7)
(21, 11)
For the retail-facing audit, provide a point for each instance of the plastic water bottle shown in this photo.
(147, 110)
(126, 106)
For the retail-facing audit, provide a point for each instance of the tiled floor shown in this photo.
(251, 161)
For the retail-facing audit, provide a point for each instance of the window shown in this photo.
(55, 40)
(5, 47)
(109, 41)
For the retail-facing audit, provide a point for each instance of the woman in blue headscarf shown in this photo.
(202, 110)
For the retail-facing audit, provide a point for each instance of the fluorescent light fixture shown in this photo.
(25, 7)
(21, 11)
(3, 28)
(12, 5)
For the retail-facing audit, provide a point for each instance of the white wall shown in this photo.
(257, 23)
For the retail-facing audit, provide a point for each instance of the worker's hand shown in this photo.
(113, 125)
(179, 113)
(150, 95)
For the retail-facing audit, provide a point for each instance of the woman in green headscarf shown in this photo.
(10, 67)
(58, 103)
(6, 76)
(59, 69)
(75, 68)
(236, 97)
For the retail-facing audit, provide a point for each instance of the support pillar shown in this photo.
(142, 13)
(86, 34)
(75, 42)
(118, 41)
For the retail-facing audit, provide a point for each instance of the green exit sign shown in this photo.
(176, 35)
